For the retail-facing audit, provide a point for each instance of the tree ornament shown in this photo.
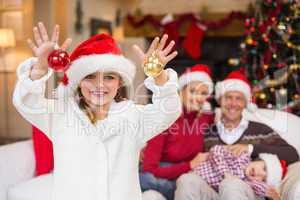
(153, 66)
(59, 60)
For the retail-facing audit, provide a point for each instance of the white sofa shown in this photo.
(17, 163)
(17, 168)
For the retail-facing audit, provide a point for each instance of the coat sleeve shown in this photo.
(29, 97)
(165, 108)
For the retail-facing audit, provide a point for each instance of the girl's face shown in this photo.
(256, 170)
(100, 88)
(194, 95)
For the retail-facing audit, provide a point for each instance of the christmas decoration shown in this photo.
(59, 60)
(187, 17)
(153, 66)
(271, 53)
(171, 29)
(193, 40)
(194, 34)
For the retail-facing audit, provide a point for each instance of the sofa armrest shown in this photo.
(17, 164)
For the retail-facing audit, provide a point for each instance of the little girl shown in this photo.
(263, 175)
(96, 135)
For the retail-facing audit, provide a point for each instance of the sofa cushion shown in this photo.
(17, 164)
(43, 151)
(38, 188)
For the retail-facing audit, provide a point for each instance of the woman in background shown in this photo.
(179, 149)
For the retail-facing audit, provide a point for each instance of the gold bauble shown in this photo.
(262, 96)
(153, 66)
(153, 69)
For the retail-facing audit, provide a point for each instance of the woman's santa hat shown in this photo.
(197, 72)
(200, 73)
(236, 81)
(276, 169)
(99, 53)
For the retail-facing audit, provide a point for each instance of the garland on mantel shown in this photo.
(195, 32)
(188, 17)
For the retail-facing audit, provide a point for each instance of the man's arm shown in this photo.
(276, 145)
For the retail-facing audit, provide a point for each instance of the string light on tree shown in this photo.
(262, 95)
(271, 50)
(283, 91)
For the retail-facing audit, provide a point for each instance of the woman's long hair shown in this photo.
(120, 96)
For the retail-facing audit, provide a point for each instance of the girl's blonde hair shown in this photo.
(120, 96)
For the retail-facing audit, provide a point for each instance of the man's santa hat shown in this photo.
(236, 81)
(197, 72)
(99, 53)
(276, 169)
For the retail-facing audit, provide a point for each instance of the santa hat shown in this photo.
(201, 73)
(236, 81)
(197, 72)
(99, 53)
(276, 169)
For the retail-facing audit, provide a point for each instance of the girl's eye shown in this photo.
(192, 90)
(204, 94)
(91, 76)
(109, 77)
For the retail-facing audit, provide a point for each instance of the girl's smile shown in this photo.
(100, 88)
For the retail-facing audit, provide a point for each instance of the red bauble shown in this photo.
(59, 60)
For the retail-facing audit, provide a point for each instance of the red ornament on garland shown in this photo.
(59, 60)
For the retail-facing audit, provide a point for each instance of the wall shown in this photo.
(103, 9)
(106, 9)
(181, 6)
(12, 125)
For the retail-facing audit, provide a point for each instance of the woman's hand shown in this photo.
(141, 159)
(164, 53)
(198, 159)
(273, 194)
(42, 47)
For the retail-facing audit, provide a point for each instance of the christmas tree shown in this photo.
(271, 53)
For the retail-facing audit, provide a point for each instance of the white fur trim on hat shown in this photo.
(86, 65)
(206, 107)
(274, 169)
(233, 85)
(186, 78)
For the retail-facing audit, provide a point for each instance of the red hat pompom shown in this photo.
(65, 79)
(284, 167)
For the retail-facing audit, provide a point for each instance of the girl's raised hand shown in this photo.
(42, 45)
(160, 47)
(156, 57)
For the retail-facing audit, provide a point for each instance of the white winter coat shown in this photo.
(96, 162)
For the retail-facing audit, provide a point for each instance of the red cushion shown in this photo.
(43, 150)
